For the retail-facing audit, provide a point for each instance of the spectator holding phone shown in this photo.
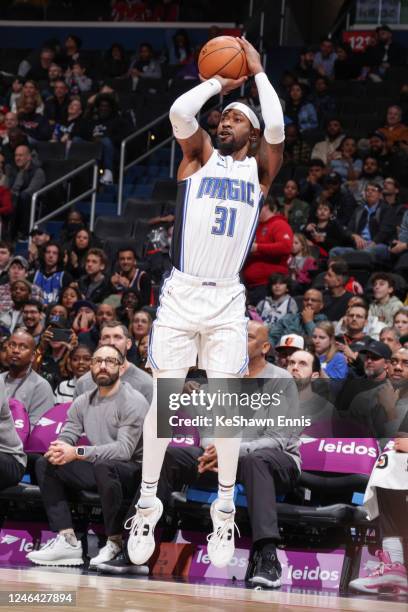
(52, 352)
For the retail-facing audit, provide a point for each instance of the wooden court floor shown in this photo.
(141, 594)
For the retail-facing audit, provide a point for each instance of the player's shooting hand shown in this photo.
(252, 56)
(227, 85)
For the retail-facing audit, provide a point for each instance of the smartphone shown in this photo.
(61, 335)
(340, 338)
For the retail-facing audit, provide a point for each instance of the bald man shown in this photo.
(21, 382)
(269, 464)
(258, 348)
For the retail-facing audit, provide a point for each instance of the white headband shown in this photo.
(248, 112)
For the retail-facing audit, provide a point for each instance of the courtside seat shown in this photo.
(334, 482)
(22, 492)
(288, 514)
(31, 494)
(321, 516)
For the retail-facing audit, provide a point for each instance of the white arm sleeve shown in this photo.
(271, 108)
(185, 108)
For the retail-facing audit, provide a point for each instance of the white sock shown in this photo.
(393, 546)
(70, 537)
(154, 448)
(148, 494)
(225, 499)
(227, 455)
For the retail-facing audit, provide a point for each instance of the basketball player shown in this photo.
(202, 303)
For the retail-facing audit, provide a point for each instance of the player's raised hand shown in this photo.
(227, 84)
(252, 56)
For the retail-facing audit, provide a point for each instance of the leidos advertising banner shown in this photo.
(300, 568)
(306, 569)
(344, 455)
(18, 539)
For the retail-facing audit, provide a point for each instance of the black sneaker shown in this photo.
(121, 564)
(268, 571)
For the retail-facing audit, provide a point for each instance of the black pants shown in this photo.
(21, 215)
(264, 473)
(393, 507)
(113, 480)
(11, 471)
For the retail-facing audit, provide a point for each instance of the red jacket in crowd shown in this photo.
(6, 204)
(273, 241)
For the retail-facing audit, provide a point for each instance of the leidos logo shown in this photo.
(9, 539)
(188, 440)
(24, 546)
(46, 422)
(235, 561)
(316, 573)
(350, 448)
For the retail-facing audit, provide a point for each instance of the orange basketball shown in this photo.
(223, 56)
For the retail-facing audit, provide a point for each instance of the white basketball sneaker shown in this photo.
(107, 553)
(57, 552)
(221, 544)
(386, 577)
(141, 542)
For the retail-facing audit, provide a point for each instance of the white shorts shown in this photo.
(200, 317)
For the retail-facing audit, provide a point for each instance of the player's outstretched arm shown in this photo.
(194, 141)
(270, 154)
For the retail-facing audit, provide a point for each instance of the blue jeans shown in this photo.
(108, 151)
(379, 252)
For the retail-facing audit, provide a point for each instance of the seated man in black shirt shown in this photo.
(95, 285)
(336, 297)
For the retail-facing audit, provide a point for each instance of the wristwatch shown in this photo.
(80, 451)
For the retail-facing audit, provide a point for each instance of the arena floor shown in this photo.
(136, 594)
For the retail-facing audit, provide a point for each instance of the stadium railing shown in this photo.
(92, 191)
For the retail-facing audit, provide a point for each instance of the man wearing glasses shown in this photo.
(111, 417)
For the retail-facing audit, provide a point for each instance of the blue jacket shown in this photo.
(336, 368)
(307, 117)
(293, 324)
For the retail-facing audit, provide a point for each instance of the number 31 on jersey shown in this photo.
(225, 219)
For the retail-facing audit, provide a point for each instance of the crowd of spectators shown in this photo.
(326, 276)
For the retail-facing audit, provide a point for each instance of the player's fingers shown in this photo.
(241, 80)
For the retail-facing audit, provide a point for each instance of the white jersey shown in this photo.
(216, 217)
